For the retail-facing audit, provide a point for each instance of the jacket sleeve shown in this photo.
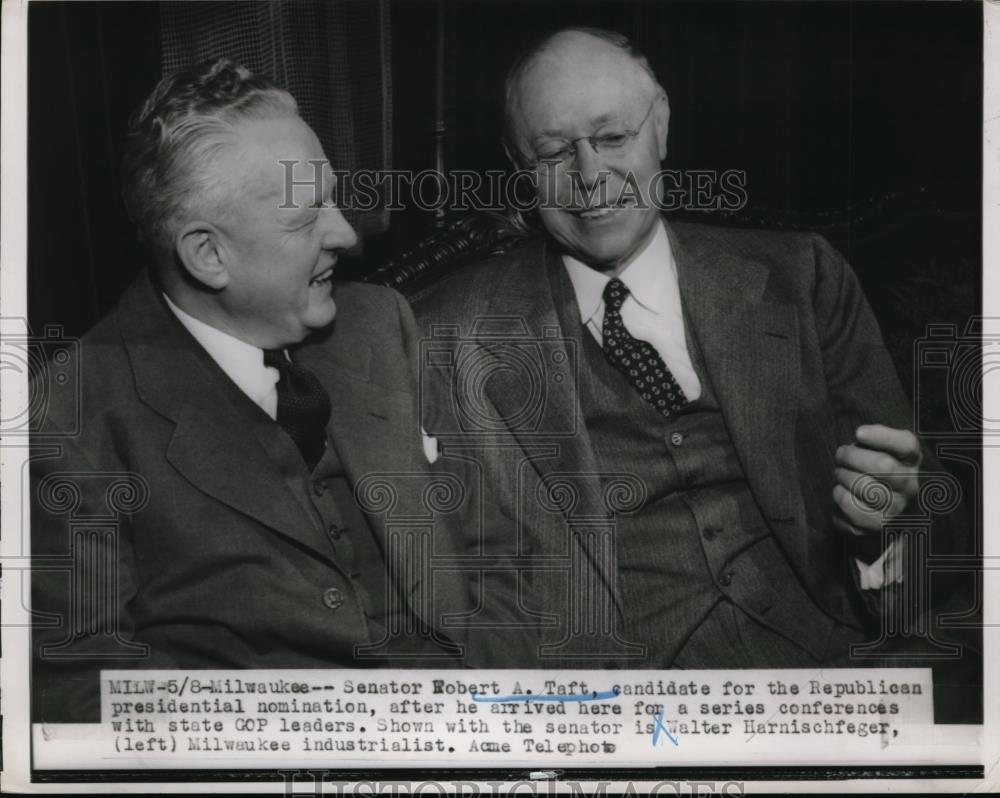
(863, 388)
(83, 579)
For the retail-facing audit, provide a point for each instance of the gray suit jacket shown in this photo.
(794, 356)
(210, 558)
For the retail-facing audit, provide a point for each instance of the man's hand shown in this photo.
(877, 477)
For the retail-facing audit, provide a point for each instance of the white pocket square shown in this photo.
(430, 446)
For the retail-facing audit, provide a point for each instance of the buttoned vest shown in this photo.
(701, 580)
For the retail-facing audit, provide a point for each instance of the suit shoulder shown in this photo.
(794, 258)
(761, 244)
(94, 356)
(370, 305)
(476, 283)
(366, 296)
(83, 384)
(369, 312)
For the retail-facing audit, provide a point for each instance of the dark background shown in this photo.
(828, 107)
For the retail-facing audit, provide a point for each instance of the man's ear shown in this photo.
(203, 253)
(661, 119)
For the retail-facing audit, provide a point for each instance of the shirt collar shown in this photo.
(648, 278)
(243, 363)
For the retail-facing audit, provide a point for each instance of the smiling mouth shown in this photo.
(599, 211)
(323, 278)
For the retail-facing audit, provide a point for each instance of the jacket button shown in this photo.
(319, 487)
(335, 531)
(332, 598)
(726, 578)
(710, 532)
(677, 439)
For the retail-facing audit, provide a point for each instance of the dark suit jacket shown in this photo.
(794, 356)
(199, 555)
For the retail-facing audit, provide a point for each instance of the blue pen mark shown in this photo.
(504, 699)
(659, 727)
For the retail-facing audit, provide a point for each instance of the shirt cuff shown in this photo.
(886, 570)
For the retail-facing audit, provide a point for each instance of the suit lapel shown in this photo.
(525, 301)
(221, 443)
(524, 297)
(750, 346)
(229, 461)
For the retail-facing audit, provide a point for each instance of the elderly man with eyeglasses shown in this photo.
(717, 413)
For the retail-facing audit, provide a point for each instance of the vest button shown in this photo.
(335, 531)
(677, 439)
(726, 578)
(332, 598)
(710, 532)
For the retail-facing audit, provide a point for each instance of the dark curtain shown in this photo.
(334, 56)
(89, 64)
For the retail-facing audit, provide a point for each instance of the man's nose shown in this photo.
(589, 166)
(337, 233)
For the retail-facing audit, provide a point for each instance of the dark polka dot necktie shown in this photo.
(637, 360)
(303, 406)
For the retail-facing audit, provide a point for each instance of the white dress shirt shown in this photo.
(652, 310)
(242, 362)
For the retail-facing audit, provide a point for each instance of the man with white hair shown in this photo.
(735, 382)
(231, 407)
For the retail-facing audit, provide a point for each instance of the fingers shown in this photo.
(876, 477)
(887, 467)
(866, 520)
(871, 494)
(900, 443)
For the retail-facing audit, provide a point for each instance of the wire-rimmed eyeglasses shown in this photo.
(559, 153)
